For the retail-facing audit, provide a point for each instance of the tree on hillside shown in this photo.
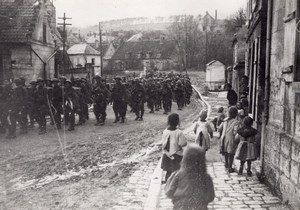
(235, 22)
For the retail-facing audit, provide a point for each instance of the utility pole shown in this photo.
(64, 37)
(101, 50)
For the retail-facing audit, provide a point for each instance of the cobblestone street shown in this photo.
(234, 192)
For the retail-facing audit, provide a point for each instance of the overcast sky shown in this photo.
(90, 12)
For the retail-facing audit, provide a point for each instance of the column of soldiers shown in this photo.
(61, 100)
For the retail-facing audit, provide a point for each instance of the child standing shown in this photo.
(228, 143)
(246, 150)
(203, 131)
(173, 141)
(191, 187)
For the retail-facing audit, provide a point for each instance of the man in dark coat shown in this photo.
(71, 105)
(179, 94)
(57, 101)
(41, 102)
(101, 96)
(31, 104)
(167, 97)
(232, 97)
(138, 99)
(5, 98)
(119, 100)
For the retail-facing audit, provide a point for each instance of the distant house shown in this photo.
(215, 75)
(83, 54)
(28, 38)
(210, 24)
(144, 56)
(93, 39)
(239, 49)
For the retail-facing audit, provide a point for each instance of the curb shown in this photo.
(154, 192)
(154, 189)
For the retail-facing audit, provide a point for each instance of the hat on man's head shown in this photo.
(39, 80)
(117, 78)
(55, 80)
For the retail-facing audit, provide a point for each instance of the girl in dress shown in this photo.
(173, 141)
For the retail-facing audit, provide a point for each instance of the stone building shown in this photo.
(28, 38)
(274, 71)
(144, 56)
(239, 49)
(83, 54)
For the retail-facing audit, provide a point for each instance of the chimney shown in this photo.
(216, 14)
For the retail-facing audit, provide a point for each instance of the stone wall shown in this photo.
(281, 162)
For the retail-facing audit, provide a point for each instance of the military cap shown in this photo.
(55, 80)
(22, 78)
(33, 82)
(62, 77)
(18, 80)
(39, 80)
(68, 81)
(97, 77)
(117, 78)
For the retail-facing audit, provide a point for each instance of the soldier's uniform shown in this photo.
(101, 97)
(56, 102)
(5, 95)
(151, 94)
(41, 103)
(167, 97)
(71, 105)
(119, 100)
(31, 104)
(138, 99)
(179, 95)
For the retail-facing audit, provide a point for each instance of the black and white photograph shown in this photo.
(149, 104)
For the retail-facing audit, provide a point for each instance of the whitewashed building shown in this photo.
(215, 75)
(82, 54)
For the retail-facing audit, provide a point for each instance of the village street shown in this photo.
(104, 169)
(94, 171)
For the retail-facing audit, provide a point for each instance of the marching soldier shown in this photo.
(119, 100)
(5, 97)
(41, 102)
(101, 97)
(138, 100)
(57, 100)
(151, 94)
(179, 94)
(167, 97)
(31, 104)
(71, 105)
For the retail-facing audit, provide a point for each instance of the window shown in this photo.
(93, 61)
(44, 33)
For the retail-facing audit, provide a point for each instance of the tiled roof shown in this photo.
(17, 20)
(158, 49)
(82, 49)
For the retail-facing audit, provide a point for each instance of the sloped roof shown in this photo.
(18, 20)
(135, 38)
(158, 49)
(94, 39)
(82, 49)
(214, 61)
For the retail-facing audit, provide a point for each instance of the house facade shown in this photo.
(83, 54)
(28, 39)
(215, 75)
(144, 56)
(274, 72)
(239, 49)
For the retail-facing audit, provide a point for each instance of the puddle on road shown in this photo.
(20, 184)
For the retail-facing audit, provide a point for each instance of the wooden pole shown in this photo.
(101, 50)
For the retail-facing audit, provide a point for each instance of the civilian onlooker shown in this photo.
(173, 141)
(191, 187)
(246, 150)
(232, 97)
(217, 121)
(228, 144)
(203, 131)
